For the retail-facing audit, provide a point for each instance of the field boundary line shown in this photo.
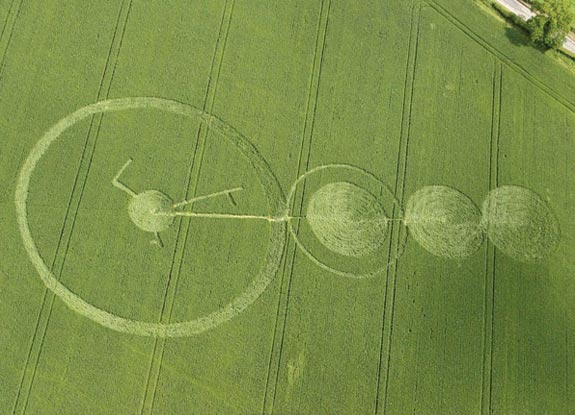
(490, 253)
(11, 23)
(34, 353)
(291, 248)
(5, 25)
(500, 56)
(184, 225)
(566, 344)
(380, 404)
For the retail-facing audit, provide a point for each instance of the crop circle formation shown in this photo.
(344, 217)
(140, 208)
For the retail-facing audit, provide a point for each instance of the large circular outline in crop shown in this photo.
(399, 213)
(268, 181)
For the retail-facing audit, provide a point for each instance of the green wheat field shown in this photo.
(283, 207)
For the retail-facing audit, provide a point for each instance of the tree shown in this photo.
(552, 23)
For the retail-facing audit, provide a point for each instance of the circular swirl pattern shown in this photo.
(150, 211)
(520, 224)
(444, 221)
(347, 219)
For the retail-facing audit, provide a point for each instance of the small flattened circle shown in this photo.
(151, 211)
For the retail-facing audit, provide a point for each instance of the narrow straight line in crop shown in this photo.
(153, 211)
(267, 218)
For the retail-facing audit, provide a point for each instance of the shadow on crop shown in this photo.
(520, 37)
(516, 37)
(443, 335)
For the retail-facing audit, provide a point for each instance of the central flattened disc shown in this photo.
(151, 211)
(347, 219)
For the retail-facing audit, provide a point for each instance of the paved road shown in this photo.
(570, 43)
(523, 11)
(517, 7)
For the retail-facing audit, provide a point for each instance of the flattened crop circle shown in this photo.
(261, 281)
(445, 222)
(347, 219)
(520, 223)
(150, 211)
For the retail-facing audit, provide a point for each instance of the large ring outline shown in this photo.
(270, 185)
